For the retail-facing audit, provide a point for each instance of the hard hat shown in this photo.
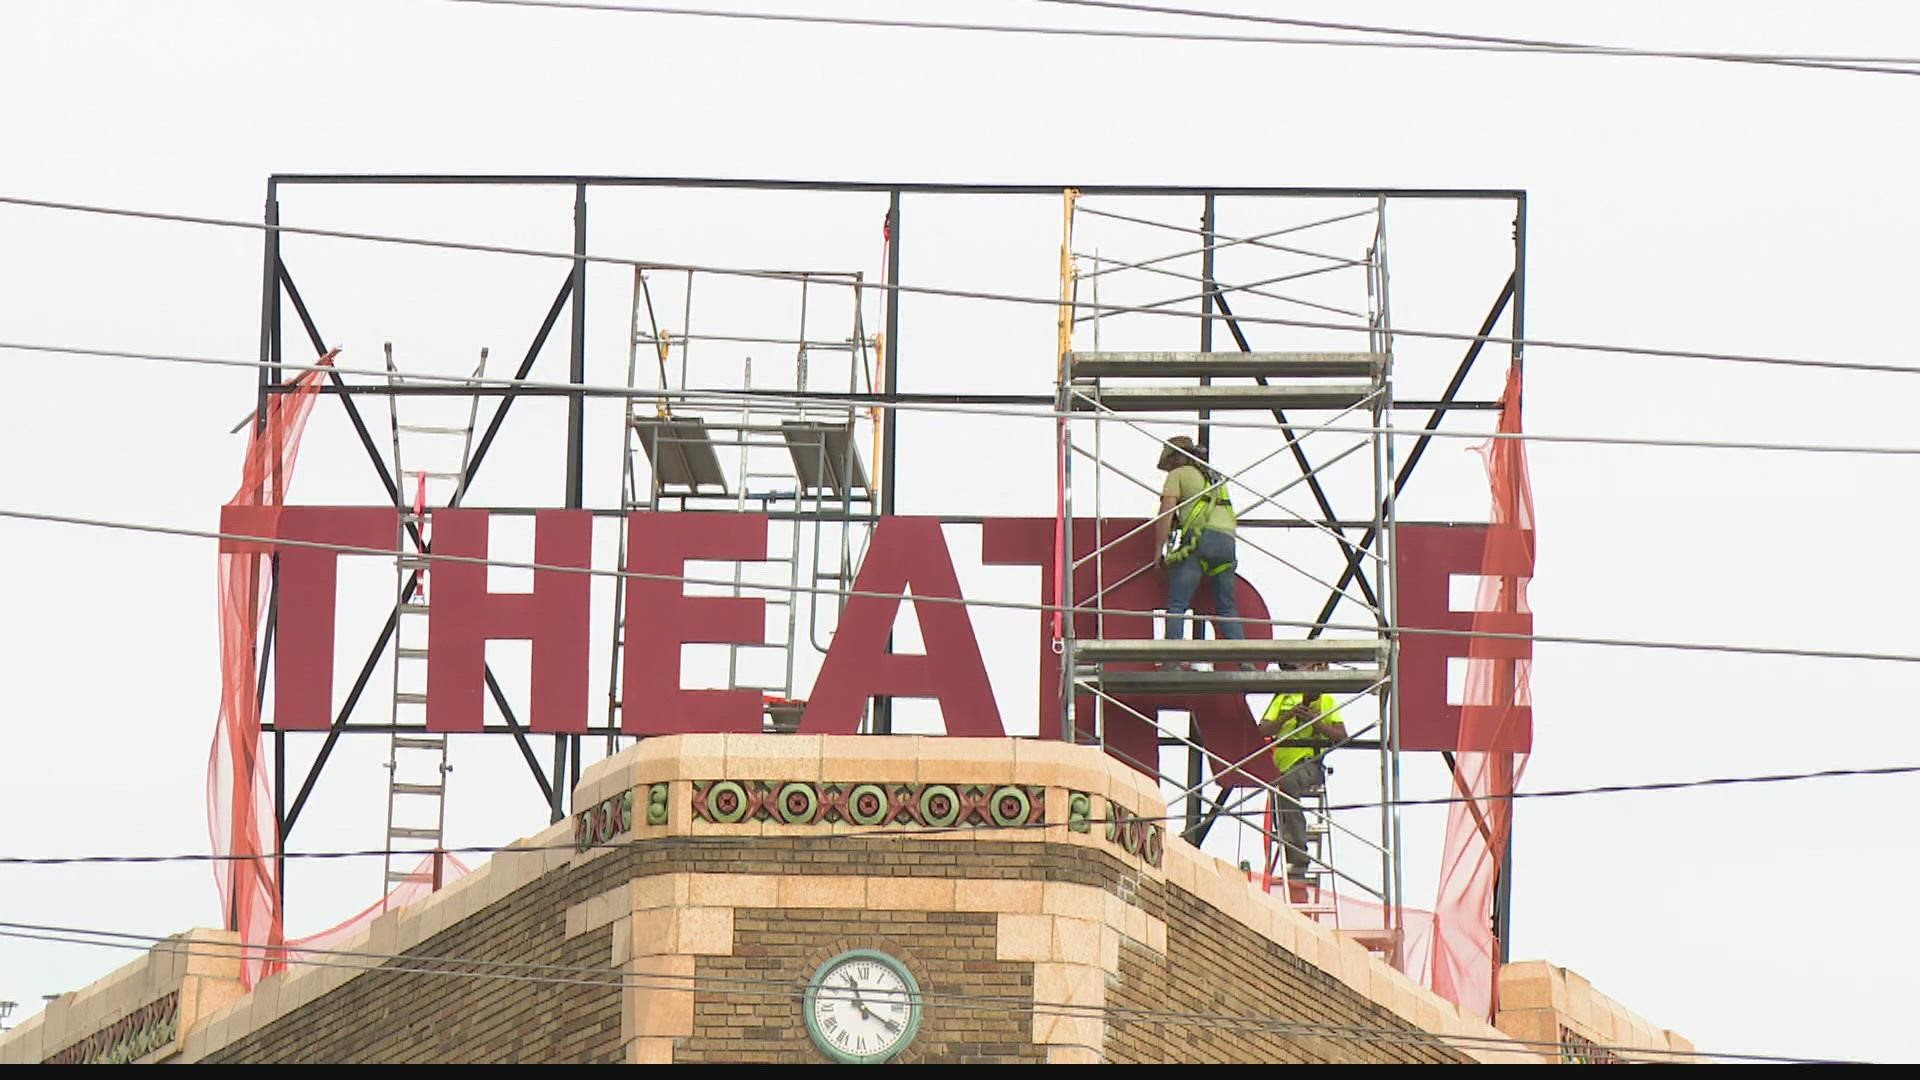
(1180, 450)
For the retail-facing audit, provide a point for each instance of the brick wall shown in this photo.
(1213, 964)
(951, 952)
(400, 1016)
(895, 856)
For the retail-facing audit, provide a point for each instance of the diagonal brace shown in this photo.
(413, 581)
(1420, 445)
(1328, 517)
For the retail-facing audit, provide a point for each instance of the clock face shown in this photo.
(862, 1007)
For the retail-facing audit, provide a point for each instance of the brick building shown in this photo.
(1026, 889)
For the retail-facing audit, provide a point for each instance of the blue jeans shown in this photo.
(1183, 579)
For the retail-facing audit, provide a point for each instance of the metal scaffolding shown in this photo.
(796, 460)
(1108, 386)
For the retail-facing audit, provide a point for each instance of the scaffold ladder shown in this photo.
(774, 488)
(426, 476)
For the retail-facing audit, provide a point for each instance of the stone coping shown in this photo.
(1541, 1001)
(202, 967)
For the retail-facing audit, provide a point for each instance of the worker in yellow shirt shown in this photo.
(1294, 718)
(1194, 532)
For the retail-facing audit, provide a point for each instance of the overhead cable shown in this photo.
(1009, 605)
(904, 832)
(1463, 46)
(1576, 48)
(962, 294)
(729, 398)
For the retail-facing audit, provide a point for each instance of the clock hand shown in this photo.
(857, 1002)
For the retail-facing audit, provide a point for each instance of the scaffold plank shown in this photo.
(1184, 681)
(824, 457)
(681, 451)
(1285, 365)
(1295, 395)
(1278, 650)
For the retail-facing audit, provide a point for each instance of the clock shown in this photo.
(862, 1007)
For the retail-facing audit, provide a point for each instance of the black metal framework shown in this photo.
(552, 778)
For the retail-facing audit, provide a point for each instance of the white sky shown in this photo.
(1673, 204)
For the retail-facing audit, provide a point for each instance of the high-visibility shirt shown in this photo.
(1185, 484)
(1286, 757)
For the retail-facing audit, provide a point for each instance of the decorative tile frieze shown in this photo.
(1577, 1049)
(128, 1039)
(1124, 829)
(606, 819)
(1079, 811)
(932, 806)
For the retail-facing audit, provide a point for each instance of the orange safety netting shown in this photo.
(239, 801)
(1465, 952)
(418, 884)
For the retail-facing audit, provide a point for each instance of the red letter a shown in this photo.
(908, 555)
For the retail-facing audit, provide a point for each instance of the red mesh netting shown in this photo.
(418, 885)
(239, 802)
(1465, 953)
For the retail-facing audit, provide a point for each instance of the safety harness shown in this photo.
(1185, 539)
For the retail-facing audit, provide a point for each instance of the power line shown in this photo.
(902, 832)
(1544, 45)
(730, 398)
(962, 294)
(1011, 605)
(1658, 785)
(1463, 45)
(595, 975)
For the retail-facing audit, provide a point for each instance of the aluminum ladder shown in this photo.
(427, 476)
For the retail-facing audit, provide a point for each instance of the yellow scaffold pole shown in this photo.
(1071, 196)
